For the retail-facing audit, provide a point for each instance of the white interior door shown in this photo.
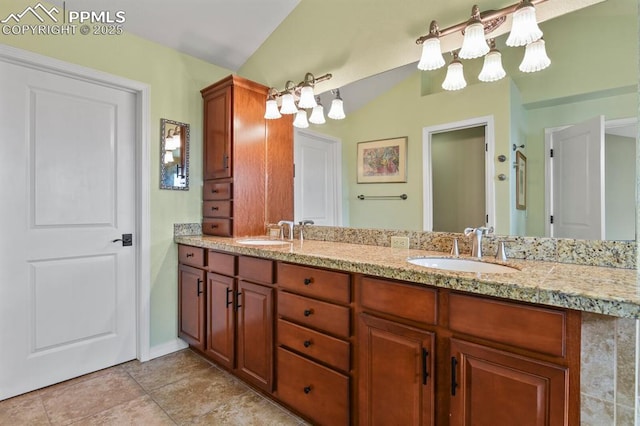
(577, 174)
(317, 190)
(67, 292)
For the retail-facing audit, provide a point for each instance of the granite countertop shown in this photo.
(595, 289)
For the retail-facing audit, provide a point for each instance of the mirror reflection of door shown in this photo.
(591, 180)
(458, 179)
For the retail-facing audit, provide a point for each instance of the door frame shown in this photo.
(489, 169)
(142, 242)
(548, 170)
(336, 149)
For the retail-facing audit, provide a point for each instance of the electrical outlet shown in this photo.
(400, 242)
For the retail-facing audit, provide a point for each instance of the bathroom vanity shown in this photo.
(355, 334)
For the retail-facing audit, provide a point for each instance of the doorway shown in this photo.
(77, 300)
(318, 178)
(457, 185)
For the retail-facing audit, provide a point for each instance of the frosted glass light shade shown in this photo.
(336, 112)
(535, 57)
(455, 77)
(301, 119)
(288, 104)
(492, 69)
(307, 99)
(474, 44)
(317, 115)
(271, 111)
(524, 27)
(431, 58)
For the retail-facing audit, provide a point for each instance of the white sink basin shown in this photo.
(461, 265)
(262, 242)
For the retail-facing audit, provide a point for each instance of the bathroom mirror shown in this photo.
(174, 155)
(579, 84)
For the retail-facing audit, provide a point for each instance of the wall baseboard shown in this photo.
(167, 348)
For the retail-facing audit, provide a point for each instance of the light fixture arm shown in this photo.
(291, 87)
(491, 19)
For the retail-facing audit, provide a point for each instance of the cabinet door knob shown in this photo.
(308, 281)
(307, 389)
(307, 343)
(307, 312)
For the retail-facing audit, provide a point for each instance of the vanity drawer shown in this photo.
(330, 285)
(529, 327)
(217, 209)
(214, 190)
(189, 255)
(255, 269)
(217, 226)
(221, 263)
(317, 392)
(316, 314)
(405, 301)
(321, 347)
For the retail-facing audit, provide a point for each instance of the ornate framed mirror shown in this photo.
(174, 155)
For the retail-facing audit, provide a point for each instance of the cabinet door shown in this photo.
(217, 135)
(396, 373)
(491, 387)
(191, 303)
(255, 334)
(220, 319)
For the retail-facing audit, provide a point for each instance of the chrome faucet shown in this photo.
(302, 223)
(476, 234)
(290, 224)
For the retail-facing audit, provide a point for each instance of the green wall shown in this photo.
(175, 81)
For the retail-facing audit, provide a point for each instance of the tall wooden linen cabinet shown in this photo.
(248, 161)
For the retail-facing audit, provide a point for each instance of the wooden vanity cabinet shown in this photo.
(240, 316)
(191, 295)
(242, 149)
(314, 343)
(396, 360)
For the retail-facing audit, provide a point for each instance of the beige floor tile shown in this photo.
(23, 410)
(137, 412)
(80, 399)
(195, 396)
(248, 409)
(167, 369)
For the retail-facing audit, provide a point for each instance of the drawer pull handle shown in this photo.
(307, 389)
(238, 305)
(214, 226)
(214, 208)
(214, 191)
(308, 312)
(454, 384)
(308, 281)
(189, 254)
(307, 343)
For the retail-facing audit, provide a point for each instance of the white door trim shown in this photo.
(142, 241)
(489, 135)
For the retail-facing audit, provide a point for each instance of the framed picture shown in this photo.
(382, 161)
(521, 181)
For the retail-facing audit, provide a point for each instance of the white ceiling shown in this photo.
(222, 32)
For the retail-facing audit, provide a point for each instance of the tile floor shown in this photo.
(178, 389)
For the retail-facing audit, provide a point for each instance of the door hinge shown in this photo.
(551, 153)
(486, 147)
(487, 219)
(551, 219)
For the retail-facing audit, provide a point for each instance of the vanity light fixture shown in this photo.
(337, 106)
(317, 114)
(455, 75)
(296, 98)
(535, 57)
(474, 45)
(524, 32)
(492, 69)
